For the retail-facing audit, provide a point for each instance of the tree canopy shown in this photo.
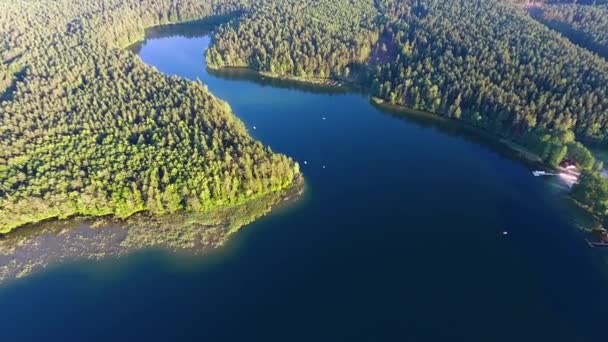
(488, 63)
(311, 38)
(485, 62)
(86, 128)
(585, 25)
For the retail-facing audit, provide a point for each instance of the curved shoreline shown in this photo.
(514, 149)
(339, 85)
(36, 246)
(208, 22)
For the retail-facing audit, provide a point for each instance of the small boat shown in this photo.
(542, 173)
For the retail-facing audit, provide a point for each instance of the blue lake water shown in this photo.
(399, 236)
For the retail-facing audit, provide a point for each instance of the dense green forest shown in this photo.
(300, 38)
(485, 62)
(592, 193)
(30, 248)
(86, 128)
(490, 64)
(585, 25)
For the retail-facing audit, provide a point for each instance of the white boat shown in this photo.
(542, 173)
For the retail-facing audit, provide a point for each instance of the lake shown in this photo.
(399, 236)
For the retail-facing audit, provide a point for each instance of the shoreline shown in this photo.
(518, 150)
(521, 151)
(111, 216)
(35, 247)
(319, 82)
(211, 21)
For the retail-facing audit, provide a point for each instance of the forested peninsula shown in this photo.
(487, 63)
(87, 129)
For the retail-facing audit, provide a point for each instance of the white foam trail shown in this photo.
(567, 178)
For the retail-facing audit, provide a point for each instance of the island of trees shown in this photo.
(488, 63)
(87, 129)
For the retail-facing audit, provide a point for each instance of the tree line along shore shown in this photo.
(486, 63)
(87, 129)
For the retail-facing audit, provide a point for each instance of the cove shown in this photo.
(398, 237)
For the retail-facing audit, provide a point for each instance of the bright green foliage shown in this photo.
(32, 249)
(311, 38)
(592, 192)
(553, 147)
(580, 154)
(87, 128)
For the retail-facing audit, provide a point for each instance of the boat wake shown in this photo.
(569, 178)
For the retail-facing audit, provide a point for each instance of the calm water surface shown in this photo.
(398, 238)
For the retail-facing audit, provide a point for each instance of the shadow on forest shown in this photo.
(244, 74)
(190, 29)
(577, 38)
(9, 92)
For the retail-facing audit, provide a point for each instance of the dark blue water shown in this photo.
(398, 238)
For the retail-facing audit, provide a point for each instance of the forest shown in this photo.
(585, 25)
(488, 63)
(495, 68)
(87, 129)
(592, 193)
(484, 62)
(310, 39)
